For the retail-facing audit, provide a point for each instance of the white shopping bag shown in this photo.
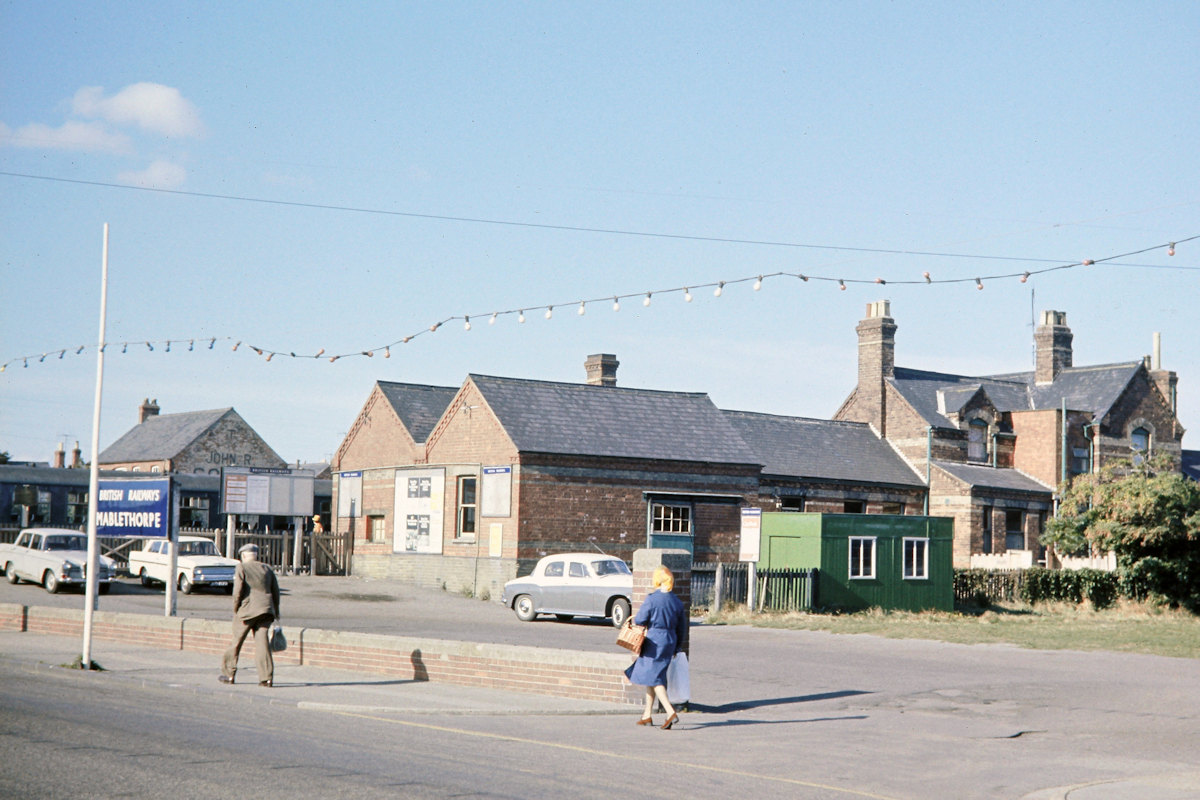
(679, 688)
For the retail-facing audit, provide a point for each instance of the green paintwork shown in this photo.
(803, 541)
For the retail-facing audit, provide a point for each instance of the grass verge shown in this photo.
(1126, 628)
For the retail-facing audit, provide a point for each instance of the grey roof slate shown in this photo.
(815, 448)
(991, 477)
(1191, 464)
(1093, 389)
(612, 421)
(418, 406)
(162, 436)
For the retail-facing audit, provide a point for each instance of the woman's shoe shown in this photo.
(646, 721)
(671, 720)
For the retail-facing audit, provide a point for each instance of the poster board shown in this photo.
(496, 494)
(349, 494)
(260, 490)
(748, 549)
(420, 501)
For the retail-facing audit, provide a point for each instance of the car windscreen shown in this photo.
(610, 566)
(65, 543)
(197, 549)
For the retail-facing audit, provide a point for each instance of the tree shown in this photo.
(4, 456)
(1148, 514)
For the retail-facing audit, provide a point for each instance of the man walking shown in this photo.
(255, 607)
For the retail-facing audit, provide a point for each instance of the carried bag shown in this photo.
(631, 637)
(679, 685)
(278, 640)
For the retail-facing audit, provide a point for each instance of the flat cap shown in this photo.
(249, 547)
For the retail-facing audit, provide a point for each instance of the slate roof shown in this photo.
(612, 421)
(162, 436)
(992, 478)
(1093, 389)
(1191, 464)
(824, 449)
(418, 406)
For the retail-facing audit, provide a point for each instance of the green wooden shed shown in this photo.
(865, 560)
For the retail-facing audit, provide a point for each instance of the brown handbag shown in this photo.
(631, 637)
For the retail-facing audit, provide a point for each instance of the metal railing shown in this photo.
(719, 583)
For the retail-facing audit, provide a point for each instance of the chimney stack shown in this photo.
(1053, 342)
(60, 457)
(876, 362)
(601, 369)
(76, 457)
(148, 409)
(1166, 380)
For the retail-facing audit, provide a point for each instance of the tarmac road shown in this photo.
(891, 718)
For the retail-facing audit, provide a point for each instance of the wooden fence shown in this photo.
(322, 554)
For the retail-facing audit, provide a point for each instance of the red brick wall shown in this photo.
(534, 670)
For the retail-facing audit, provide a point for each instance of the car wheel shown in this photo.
(50, 582)
(620, 612)
(186, 586)
(104, 587)
(145, 579)
(523, 606)
(11, 573)
(564, 617)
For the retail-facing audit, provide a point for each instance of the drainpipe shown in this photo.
(1064, 441)
(928, 464)
(994, 436)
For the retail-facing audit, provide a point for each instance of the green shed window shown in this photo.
(862, 557)
(916, 559)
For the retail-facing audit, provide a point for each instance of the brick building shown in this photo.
(195, 442)
(994, 448)
(466, 487)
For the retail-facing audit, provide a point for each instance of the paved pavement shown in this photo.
(1039, 725)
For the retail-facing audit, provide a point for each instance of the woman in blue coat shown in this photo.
(666, 628)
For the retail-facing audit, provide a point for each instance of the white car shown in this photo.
(570, 585)
(198, 564)
(53, 557)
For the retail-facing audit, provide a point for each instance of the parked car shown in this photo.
(53, 557)
(570, 585)
(198, 564)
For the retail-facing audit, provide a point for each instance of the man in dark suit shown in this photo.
(255, 608)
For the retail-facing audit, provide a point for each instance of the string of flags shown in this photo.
(581, 307)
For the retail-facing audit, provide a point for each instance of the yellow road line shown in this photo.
(622, 756)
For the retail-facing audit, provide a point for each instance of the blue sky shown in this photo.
(308, 176)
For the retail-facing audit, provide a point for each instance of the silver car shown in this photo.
(570, 585)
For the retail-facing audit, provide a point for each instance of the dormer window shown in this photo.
(977, 440)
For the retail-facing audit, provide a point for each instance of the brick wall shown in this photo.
(533, 670)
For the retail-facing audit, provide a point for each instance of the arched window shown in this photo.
(1139, 444)
(977, 440)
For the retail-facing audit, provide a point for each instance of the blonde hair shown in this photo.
(663, 577)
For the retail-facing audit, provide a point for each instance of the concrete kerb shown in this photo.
(559, 673)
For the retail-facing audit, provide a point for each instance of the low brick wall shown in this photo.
(534, 670)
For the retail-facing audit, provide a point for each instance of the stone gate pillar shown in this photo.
(680, 564)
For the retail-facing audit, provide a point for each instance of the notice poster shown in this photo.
(497, 492)
(751, 534)
(420, 499)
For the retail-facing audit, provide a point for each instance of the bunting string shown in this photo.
(581, 307)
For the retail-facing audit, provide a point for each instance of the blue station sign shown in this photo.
(139, 508)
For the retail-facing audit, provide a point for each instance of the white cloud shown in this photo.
(150, 106)
(159, 175)
(93, 137)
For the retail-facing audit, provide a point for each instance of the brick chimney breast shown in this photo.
(601, 369)
(148, 409)
(876, 361)
(1052, 340)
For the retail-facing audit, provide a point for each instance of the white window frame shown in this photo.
(462, 508)
(678, 523)
(866, 572)
(922, 574)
